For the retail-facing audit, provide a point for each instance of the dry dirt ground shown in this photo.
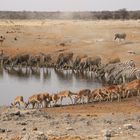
(120, 120)
(80, 37)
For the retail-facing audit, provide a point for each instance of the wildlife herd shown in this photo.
(114, 72)
(107, 93)
(122, 78)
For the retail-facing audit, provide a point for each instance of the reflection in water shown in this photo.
(1, 72)
(24, 74)
(87, 76)
(64, 75)
(19, 73)
(26, 82)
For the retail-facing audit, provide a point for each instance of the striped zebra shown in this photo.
(130, 74)
(110, 67)
(113, 75)
(129, 63)
(118, 78)
(120, 36)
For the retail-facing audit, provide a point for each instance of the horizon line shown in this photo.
(65, 11)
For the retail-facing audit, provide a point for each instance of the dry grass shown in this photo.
(16, 138)
(65, 138)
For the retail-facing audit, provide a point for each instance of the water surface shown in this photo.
(26, 83)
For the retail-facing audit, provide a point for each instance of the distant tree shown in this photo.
(134, 14)
(124, 14)
(106, 15)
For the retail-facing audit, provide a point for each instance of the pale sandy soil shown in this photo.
(81, 37)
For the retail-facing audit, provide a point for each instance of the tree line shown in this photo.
(122, 14)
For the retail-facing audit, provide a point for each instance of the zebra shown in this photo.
(113, 74)
(112, 78)
(110, 67)
(130, 74)
(129, 63)
(118, 78)
(120, 36)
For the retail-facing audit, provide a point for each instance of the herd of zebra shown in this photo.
(120, 72)
(114, 72)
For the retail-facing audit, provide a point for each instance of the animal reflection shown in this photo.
(20, 73)
(64, 74)
(83, 75)
(27, 73)
(1, 71)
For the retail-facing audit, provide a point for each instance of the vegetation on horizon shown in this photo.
(84, 15)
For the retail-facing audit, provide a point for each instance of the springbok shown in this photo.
(132, 87)
(120, 36)
(53, 98)
(96, 94)
(33, 100)
(112, 92)
(2, 39)
(65, 94)
(1, 53)
(39, 99)
(43, 98)
(82, 94)
(18, 100)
